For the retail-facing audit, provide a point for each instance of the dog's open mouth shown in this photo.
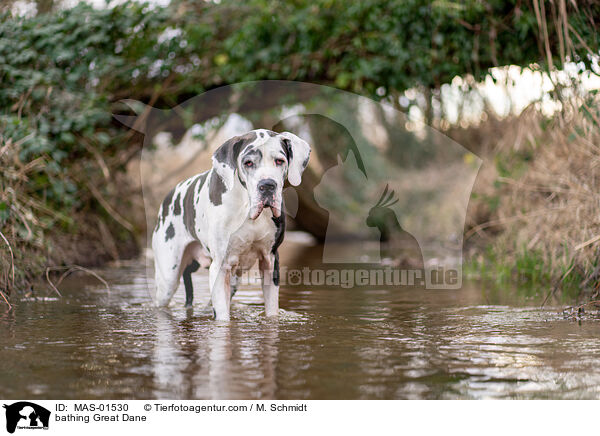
(257, 210)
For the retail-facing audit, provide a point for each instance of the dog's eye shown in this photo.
(279, 161)
(248, 163)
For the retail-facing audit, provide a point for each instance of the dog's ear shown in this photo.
(225, 157)
(228, 152)
(298, 152)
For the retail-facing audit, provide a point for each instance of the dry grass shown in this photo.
(539, 191)
(36, 237)
(538, 197)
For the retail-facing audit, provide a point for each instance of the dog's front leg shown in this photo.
(269, 268)
(220, 292)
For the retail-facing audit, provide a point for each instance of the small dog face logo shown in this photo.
(26, 415)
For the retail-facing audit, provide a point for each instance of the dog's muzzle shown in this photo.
(267, 188)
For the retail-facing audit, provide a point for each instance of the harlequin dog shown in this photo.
(227, 218)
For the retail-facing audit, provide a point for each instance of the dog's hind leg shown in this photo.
(194, 257)
(165, 287)
(187, 282)
(167, 262)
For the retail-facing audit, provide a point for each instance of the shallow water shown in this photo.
(326, 344)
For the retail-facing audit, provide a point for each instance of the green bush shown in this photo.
(62, 74)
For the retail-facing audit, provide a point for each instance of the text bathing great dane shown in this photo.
(227, 218)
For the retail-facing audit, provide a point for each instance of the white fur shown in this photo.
(227, 239)
(301, 153)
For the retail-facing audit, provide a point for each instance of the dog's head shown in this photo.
(261, 160)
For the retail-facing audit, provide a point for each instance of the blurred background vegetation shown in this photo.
(64, 195)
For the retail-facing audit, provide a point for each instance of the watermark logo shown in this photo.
(384, 201)
(24, 415)
(366, 277)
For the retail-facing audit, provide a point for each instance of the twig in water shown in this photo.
(12, 258)
(50, 282)
(69, 269)
(6, 300)
(558, 283)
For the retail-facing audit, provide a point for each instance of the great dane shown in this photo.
(227, 218)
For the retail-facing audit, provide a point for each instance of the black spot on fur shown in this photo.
(286, 145)
(177, 205)
(170, 234)
(230, 150)
(166, 203)
(271, 133)
(305, 162)
(253, 152)
(276, 269)
(280, 230)
(216, 189)
(279, 233)
(189, 210)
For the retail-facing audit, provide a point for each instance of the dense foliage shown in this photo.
(62, 73)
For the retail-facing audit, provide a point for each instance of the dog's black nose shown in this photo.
(267, 186)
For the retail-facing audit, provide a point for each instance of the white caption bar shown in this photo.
(27, 417)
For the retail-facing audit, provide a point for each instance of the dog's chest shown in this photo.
(251, 241)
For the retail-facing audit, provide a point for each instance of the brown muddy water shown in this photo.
(327, 344)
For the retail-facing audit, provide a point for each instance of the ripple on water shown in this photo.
(324, 344)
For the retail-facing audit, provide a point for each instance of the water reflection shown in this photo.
(196, 357)
(327, 343)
